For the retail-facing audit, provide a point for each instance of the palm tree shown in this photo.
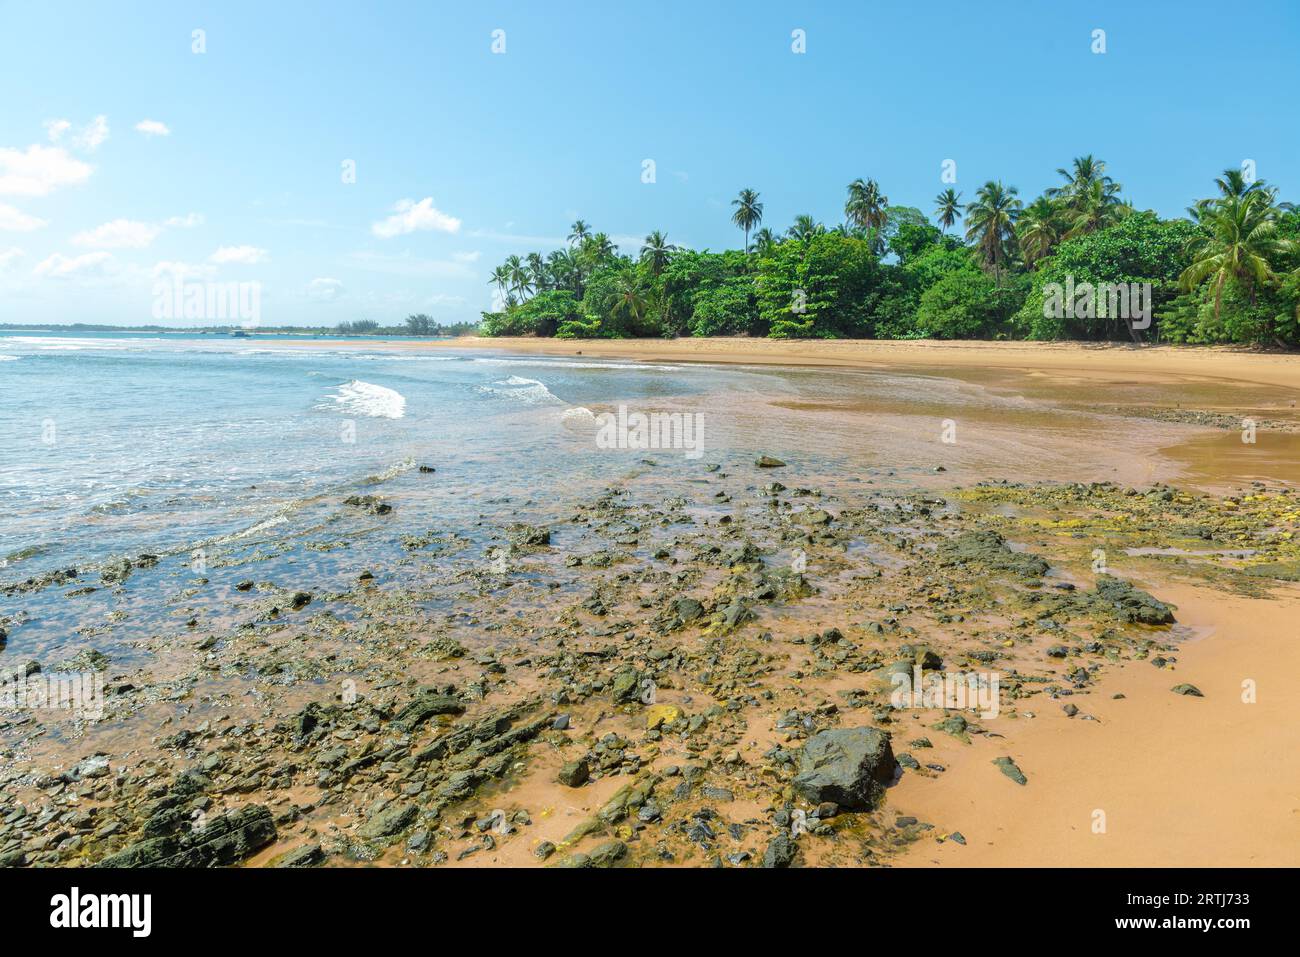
(561, 266)
(990, 223)
(764, 240)
(749, 212)
(1084, 171)
(600, 247)
(630, 298)
(865, 208)
(501, 277)
(657, 251)
(578, 232)
(1039, 230)
(1097, 206)
(520, 278)
(947, 208)
(1233, 183)
(805, 228)
(1239, 241)
(537, 272)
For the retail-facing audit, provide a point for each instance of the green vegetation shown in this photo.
(1228, 272)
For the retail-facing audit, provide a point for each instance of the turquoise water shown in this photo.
(237, 453)
(229, 459)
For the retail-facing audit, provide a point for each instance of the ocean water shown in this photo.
(229, 459)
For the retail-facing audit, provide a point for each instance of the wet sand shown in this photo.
(1180, 780)
(1088, 362)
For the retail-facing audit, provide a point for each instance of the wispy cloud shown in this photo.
(245, 255)
(324, 289)
(16, 221)
(118, 234)
(407, 265)
(59, 266)
(153, 128)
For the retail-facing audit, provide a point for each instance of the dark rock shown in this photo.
(849, 766)
(1132, 604)
(767, 462)
(574, 774)
(388, 822)
(1186, 689)
(1009, 768)
(989, 549)
(780, 852)
(225, 841)
(309, 855)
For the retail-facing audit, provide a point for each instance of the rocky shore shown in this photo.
(700, 678)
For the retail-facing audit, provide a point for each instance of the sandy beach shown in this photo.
(637, 672)
(1104, 362)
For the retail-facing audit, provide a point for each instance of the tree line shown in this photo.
(987, 268)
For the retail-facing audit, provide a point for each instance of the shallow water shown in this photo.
(230, 458)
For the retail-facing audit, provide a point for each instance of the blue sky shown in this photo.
(245, 184)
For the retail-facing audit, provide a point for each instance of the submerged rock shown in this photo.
(368, 503)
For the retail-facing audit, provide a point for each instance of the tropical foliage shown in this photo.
(988, 268)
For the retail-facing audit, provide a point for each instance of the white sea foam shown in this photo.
(527, 391)
(8, 358)
(366, 398)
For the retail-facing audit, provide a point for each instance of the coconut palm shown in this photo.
(1039, 230)
(561, 269)
(1083, 172)
(805, 228)
(578, 232)
(990, 223)
(947, 208)
(521, 280)
(1239, 241)
(764, 241)
(501, 278)
(657, 250)
(1097, 206)
(866, 208)
(537, 271)
(749, 212)
(630, 297)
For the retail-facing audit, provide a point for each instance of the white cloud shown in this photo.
(247, 255)
(324, 289)
(60, 266)
(10, 256)
(183, 270)
(119, 234)
(188, 221)
(410, 216)
(39, 170)
(153, 128)
(56, 129)
(92, 134)
(16, 221)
